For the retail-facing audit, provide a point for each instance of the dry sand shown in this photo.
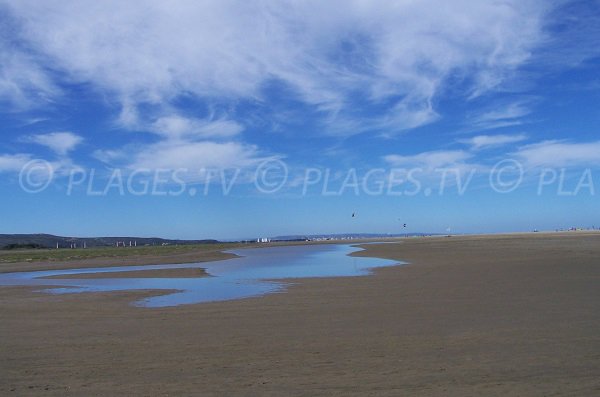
(470, 316)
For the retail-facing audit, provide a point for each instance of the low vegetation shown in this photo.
(64, 254)
(10, 247)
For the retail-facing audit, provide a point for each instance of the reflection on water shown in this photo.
(253, 274)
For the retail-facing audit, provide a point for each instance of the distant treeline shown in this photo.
(22, 246)
(22, 241)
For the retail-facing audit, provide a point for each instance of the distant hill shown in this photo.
(341, 236)
(8, 241)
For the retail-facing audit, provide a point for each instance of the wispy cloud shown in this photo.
(430, 160)
(24, 83)
(578, 24)
(502, 115)
(488, 141)
(329, 53)
(560, 154)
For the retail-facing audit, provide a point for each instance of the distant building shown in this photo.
(263, 240)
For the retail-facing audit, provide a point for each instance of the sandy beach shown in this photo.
(507, 315)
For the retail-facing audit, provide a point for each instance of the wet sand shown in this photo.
(158, 273)
(202, 254)
(515, 315)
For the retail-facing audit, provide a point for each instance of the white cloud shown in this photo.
(185, 143)
(486, 141)
(177, 127)
(560, 154)
(194, 156)
(430, 160)
(191, 156)
(331, 53)
(59, 142)
(13, 162)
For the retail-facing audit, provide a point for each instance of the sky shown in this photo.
(240, 119)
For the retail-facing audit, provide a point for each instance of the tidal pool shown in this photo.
(257, 271)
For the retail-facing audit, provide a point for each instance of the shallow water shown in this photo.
(256, 272)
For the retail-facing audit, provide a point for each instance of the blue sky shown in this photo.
(234, 119)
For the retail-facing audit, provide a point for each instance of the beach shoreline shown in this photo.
(470, 315)
(217, 254)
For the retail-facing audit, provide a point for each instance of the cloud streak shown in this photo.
(480, 142)
(502, 115)
(431, 160)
